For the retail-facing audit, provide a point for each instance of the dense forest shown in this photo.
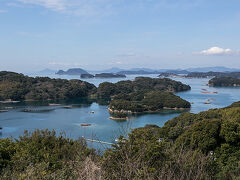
(109, 75)
(107, 89)
(142, 95)
(190, 146)
(224, 82)
(16, 86)
(146, 102)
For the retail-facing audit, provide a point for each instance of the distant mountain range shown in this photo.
(140, 71)
(213, 69)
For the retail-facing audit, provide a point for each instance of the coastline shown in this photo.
(156, 111)
(115, 118)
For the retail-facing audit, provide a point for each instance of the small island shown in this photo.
(224, 82)
(170, 75)
(150, 102)
(110, 75)
(142, 95)
(73, 71)
(86, 76)
(102, 75)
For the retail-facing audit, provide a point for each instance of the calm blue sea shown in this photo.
(15, 121)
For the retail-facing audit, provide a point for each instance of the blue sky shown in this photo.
(99, 34)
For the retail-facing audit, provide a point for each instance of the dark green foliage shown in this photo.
(136, 158)
(7, 149)
(143, 94)
(107, 90)
(41, 148)
(125, 106)
(235, 104)
(191, 146)
(203, 136)
(156, 100)
(215, 130)
(224, 82)
(109, 75)
(200, 146)
(16, 86)
(140, 101)
(120, 115)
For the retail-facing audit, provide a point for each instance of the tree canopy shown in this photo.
(16, 86)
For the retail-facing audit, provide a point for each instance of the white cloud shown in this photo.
(31, 34)
(84, 8)
(3, 11)
(130, 54)
(106, 7)
(216, 51)
(57, 5)
(65, 64)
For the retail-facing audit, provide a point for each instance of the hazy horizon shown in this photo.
(100, 34)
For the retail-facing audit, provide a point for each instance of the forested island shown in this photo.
(108, 90)
(199, 146)
(142, 95)
(109, 75)
(15, 87)
(209, 74)
(213, 74)
(148, 101)
(224, 82)
(72, 71)
(86, 76)
(167, 75)
(102, 75)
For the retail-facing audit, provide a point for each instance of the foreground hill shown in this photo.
(16, 86)
(190, 146)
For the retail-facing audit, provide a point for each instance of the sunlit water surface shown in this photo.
(69, 121)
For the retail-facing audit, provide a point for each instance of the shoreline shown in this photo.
(159, 110)
(115, 118)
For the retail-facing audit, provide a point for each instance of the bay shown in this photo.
(80, 111)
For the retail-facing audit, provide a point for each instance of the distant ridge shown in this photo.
(72, 71)
(213, 69)
(142, 71)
